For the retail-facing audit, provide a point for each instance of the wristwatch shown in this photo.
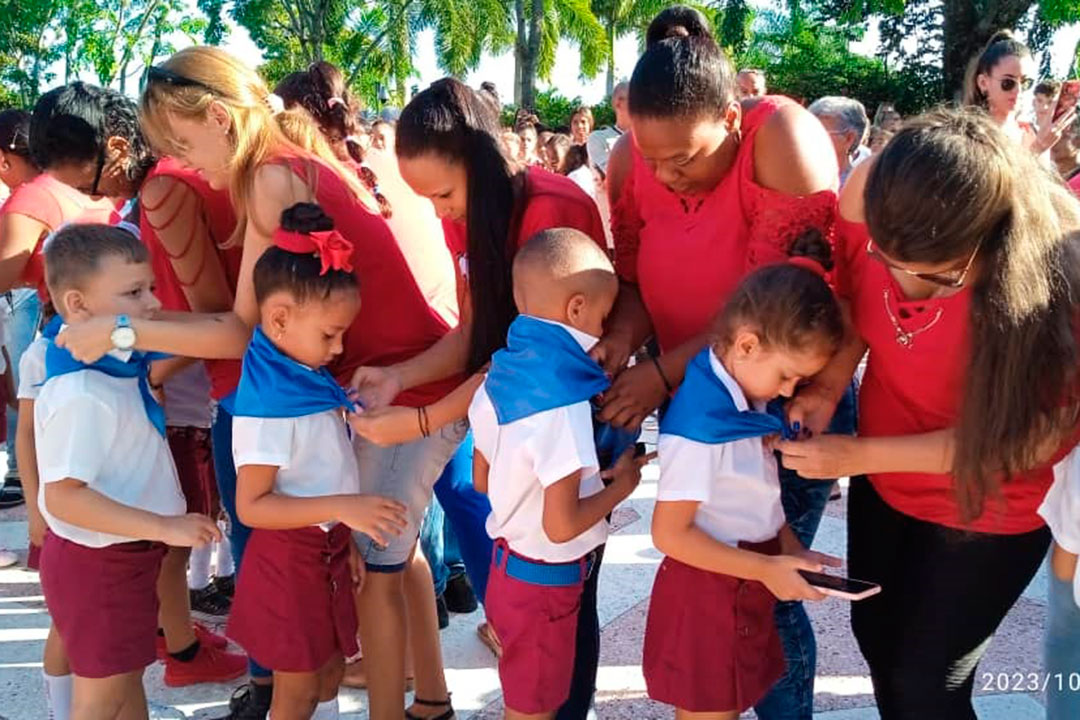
(123, 335)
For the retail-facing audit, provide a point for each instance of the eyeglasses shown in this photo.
(1008, 84)
(951, 279)
(156, 73)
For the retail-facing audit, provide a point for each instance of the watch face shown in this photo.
(123, 338)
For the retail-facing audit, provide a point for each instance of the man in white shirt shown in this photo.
(603, 139)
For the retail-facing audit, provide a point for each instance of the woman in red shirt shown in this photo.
(957, 253)
(704, 190)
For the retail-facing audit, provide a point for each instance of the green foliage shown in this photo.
(554, 111)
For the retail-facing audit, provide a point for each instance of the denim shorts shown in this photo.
(406, 473)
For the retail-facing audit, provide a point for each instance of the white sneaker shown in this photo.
(7, 558)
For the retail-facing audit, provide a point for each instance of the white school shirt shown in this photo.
(736, 483)
(92, 427)
(528, 455)
(312, 453)
(32, 370)
(1061, 509)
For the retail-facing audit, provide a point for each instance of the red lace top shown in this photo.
(918, 388)
(687, 253)
(220, 221)
(395, 321)
(52, 203)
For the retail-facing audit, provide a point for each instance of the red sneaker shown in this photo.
(210, 665)
(203, 634)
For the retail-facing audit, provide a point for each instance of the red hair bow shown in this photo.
(329, 246)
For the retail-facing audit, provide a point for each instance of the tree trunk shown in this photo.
(610, 56)
(966, 30)
(532, 55)
(519, 49)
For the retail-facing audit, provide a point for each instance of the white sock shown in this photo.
(58, 695)
(199, 568)
(326, 710)
(224, 561)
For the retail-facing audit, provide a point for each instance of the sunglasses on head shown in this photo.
(156, 73)
(1008, 84)
(951, 279)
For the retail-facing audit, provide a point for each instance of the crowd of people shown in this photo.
(246, 330)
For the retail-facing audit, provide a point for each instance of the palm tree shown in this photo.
(622, 17)
(540, 24)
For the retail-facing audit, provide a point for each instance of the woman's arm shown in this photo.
(26, 461)
(378, 386)
(794, 155)
(827, 457)
(258, 506)
(481, 470)
(19, 235)
(395, 424)
(221, 336)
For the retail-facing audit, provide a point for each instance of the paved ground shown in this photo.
(843, 690)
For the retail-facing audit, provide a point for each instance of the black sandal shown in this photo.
(448, 715)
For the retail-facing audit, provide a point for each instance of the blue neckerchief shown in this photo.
(611, 442)
(58, 361)
(542, 368)
(703, 410)
(52, 328)
(273, 385)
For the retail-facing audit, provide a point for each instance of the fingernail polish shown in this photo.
(796, 426)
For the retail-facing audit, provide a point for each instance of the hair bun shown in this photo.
(812, 245)
(678, 21)
(306, 218)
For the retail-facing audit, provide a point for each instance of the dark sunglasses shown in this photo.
(1008, 84)
(156, 73)
(952, 279)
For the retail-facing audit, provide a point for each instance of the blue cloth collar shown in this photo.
(126, 364)
(710, 407)
(273, 385)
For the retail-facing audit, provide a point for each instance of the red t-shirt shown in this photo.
(919, 388)
(220, 220)
(52, 203)
(687, 253)
(551, 201)
(395, 321)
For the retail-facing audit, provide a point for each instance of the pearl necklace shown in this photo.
(904, 338)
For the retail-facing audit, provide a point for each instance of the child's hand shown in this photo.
(626, 472)
(357, 568)
(387, 425)
(90, 340)
(191, 530)
(36, 525)
(783, 580)
(377, 517)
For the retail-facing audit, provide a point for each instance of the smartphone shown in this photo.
(1070, 92)
(841, 587)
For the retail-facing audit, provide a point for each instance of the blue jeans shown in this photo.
(1062, 652)
(225, 470)
(792, 697)
(25, 319)
(440, 545)
(466, 513)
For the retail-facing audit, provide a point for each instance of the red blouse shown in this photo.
(52, 203)
(395, 321)
(220, 220)
(918, 388)
(687, 253)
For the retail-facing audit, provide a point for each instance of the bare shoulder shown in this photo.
(852, 207)
(274, 188)
(793, 153)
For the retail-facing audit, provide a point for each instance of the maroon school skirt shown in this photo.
(711, 643)
(103, 602)
(194, 458)
(294, 609)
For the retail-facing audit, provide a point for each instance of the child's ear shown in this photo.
(575, 310)
(747, 343)
(276, 318)
(74, 304)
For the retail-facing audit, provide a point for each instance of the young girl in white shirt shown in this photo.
(711, 644)
(298, 485)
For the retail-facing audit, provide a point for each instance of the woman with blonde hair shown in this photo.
(215, 114)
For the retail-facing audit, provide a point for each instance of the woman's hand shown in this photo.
(811, 410)
(90, 340)
(824, 457)
(1048, 133)
(377, 386)
(612, 352)
(636, 392)
(385, 426)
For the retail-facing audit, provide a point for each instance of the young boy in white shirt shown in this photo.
(109, 492)
(535, 457)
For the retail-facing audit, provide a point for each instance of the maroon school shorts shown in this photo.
(537, 627)
(711, 643)
(103, 602)
(194, 458)
(295, 607)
